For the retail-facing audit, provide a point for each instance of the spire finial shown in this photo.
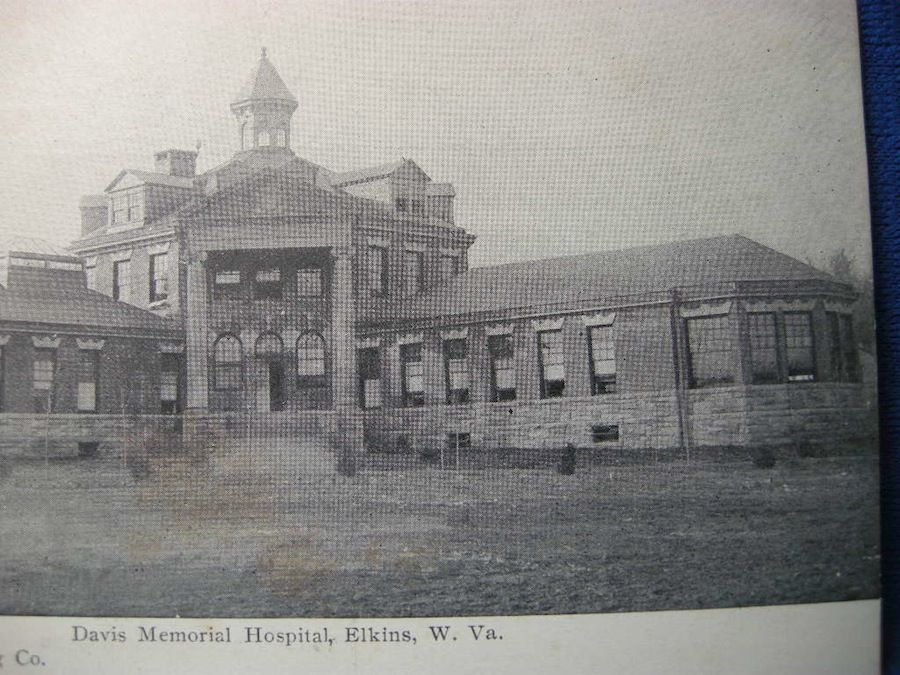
(263, 53)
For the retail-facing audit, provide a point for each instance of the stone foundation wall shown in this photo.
(38, 436)
(644, 421)
(819, 413)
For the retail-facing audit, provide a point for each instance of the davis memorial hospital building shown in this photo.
(341, 307)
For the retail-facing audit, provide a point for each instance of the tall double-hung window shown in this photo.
(456, 370)
(377, 270)
(369, 365)
(764, 360)
(603, 359)
(227, 359)
(552, 364)
(799, 347)
(711, 351)
(311, 364)
(88, 379)
(121, 287)
(844, 355)
(413, 272)
(503, 373)
(43, 373)
(159, 277)
(412, 374)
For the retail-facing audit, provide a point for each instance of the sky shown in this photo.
(565, 127)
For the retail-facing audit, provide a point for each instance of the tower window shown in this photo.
(280, 139)
(263, 138)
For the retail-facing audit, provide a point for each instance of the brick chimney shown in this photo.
(177, 162)
(93, 213)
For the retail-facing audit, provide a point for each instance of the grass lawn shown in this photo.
(274, 531)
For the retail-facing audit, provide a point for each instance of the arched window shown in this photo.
(246, 136)
(268, 346)
(227, 360)
(310, 360)
(263, 138)
(280, 138)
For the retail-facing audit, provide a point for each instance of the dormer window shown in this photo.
(127, 208)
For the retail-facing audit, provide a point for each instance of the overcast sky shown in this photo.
(564, 126)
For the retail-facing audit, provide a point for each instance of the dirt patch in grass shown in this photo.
(278, 532)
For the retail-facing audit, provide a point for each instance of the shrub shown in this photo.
(567, 461)
(763, 458)
(346, 465)
(429, 454)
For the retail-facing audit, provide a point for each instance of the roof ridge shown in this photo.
(610, 251)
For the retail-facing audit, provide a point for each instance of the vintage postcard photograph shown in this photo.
(417, 309)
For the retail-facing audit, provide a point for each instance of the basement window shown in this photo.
(601, 433)
(459, 440)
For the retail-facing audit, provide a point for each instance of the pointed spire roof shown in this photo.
(264, 83)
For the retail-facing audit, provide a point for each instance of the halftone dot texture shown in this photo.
(613, 164)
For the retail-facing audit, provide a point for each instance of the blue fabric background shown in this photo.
(879, 22)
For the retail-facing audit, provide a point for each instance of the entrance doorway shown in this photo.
(271, 394)
(276, 386)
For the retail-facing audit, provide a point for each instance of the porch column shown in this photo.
(195, 336)
(348, 425)
(743, 355)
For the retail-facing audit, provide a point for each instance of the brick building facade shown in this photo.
(75, 365)
(343, 304)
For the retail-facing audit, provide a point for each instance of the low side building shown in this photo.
(711, 342)
(78, 370)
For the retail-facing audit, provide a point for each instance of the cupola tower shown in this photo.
(263, 109)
